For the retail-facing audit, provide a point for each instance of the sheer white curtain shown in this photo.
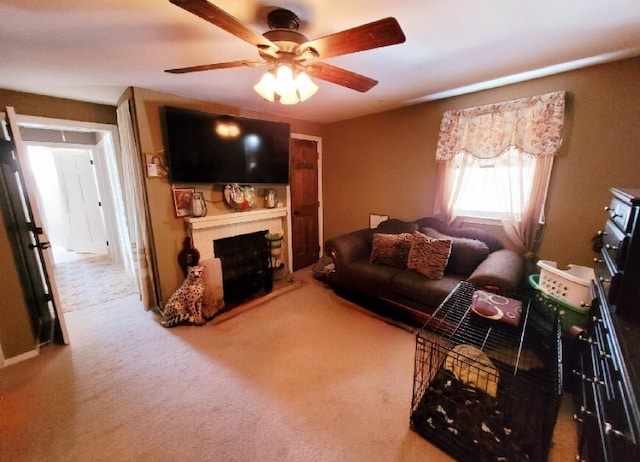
(135, 207)
(519, 139)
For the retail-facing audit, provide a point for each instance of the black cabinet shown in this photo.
(618, 267)
(607, 413)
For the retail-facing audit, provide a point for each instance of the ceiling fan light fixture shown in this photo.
(286, 85)
(284, 77)
(305, 86)
(266, 87)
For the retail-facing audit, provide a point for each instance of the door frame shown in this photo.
(318, 141)
(101, 168)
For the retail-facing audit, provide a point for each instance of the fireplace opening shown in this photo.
(246, 271)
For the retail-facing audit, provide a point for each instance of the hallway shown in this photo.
(86, 280)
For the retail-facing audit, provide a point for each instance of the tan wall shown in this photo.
(168, 230)
(16, 334)
(385, 163)
(57, 108)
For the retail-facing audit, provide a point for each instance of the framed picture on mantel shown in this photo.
(182, 201)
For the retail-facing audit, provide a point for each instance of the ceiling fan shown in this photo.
(292, 56)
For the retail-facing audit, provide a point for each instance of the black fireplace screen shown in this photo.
(246, 272)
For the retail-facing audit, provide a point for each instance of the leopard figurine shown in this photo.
(185, 305)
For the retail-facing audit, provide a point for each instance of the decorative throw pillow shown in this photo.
(392, 226)
(391, 249)
(429, 256)
(466, 254)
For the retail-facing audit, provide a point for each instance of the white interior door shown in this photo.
(77, 178)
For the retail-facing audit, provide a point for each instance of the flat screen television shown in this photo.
(203, 147)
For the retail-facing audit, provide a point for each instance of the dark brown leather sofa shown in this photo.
(406, 295)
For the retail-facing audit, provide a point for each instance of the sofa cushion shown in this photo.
(395, 226)
(502, 271)
(368, 278)
(429, 256)
(391, 249)
(411, 286)
(466, 254)
(470, 233)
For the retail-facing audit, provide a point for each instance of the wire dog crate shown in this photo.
(485, 390)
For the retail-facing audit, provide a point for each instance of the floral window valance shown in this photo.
(532, 125)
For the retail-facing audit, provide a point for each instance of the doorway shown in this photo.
(74, 164)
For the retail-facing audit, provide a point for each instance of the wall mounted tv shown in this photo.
(202, 147)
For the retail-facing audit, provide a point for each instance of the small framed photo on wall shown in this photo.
(182, 201)
(375, 219)
(156, 167)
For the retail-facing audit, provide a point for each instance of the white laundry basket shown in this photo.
(571, 285)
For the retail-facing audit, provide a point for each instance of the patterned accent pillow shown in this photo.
(391, 249)
(429, 256)
(466, 254)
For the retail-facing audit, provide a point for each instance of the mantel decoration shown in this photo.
(188, 256)
(182, 201)
(198, 205)
(239, 198)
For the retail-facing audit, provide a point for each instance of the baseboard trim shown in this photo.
(235, 311)
(20, 358)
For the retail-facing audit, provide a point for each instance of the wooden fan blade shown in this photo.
(209, 67)
(341, 77)
(225, 21)
(381, 33)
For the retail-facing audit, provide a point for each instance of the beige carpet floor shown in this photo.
(91, 281)
(301, 377)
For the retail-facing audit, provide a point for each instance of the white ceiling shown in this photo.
(93, 50)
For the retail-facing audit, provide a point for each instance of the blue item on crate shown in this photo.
(551, 306)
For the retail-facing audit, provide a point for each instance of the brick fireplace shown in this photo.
(205, 230)
(208, 233)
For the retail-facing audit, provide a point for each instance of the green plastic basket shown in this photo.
(551, 307)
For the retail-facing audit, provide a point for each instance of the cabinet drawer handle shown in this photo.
(613, 215)
(604, 327)
(611, 247)
(584, 411)
(598, 260)
(594, 380)
(604, 280)
(604, 355)
(608, 428)
(588, 340)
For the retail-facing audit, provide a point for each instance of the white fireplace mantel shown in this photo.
(205, 230)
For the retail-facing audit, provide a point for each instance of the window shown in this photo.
(495, 161)
(494, 188)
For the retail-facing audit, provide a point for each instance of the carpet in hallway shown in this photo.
(91, 281)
